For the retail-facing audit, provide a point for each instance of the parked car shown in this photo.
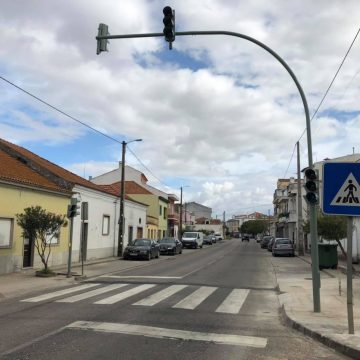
(218, 236)
(209, 240)
(270, 244)
(245, 238)
(192, 239)
(170, 246)
(213, 237)
(236, 235)
(283, 246)
(142, 249)
(265, 242)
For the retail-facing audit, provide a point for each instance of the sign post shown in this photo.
(341, 196)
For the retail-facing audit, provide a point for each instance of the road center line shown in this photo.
(156, 332)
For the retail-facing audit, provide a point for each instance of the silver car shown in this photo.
(283, 246)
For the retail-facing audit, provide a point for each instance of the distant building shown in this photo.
(198, 210)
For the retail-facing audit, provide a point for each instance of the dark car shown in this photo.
(142, 249)
(170, 246)
(245, 238)
(208, 239)
(265, 242)
(283, 246)
(270, 244)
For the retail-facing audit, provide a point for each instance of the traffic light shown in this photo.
(169, 25)
(102, 43)
(73, 208)
(311, 186)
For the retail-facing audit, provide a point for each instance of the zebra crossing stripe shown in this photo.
(163, 333)
(59, 293)
(161, 295)
(91, 293)
(196, 298)
(233, 302)
(124, 295)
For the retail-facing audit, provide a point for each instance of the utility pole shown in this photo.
(122, 195)
(300, 233)
(181, 214)
(224, 225)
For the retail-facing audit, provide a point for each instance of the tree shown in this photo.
(254, 227)
(41, 227)
(330, 227)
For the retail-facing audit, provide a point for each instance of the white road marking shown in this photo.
(139, 277)
(161, 295)
(91, 293)
(54, 294)
(156, 332)
(124, 295)
(233, 302)
(196, 298)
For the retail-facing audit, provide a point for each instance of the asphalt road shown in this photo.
(219, 302)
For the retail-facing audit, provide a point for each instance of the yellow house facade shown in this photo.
(21, 187)
(157, 210)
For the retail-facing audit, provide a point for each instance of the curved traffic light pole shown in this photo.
(313, 219)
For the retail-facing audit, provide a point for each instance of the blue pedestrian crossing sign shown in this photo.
(341, 189)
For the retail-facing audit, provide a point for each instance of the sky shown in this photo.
(217, 115)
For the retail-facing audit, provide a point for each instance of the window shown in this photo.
(165, 212)
(53, 239)
(160, 211)
(6, 227)
(106, 225)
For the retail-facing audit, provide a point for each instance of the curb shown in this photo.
(342, 348)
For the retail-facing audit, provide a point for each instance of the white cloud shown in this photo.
(229, 129)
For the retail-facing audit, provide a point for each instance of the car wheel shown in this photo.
(180, 251)
(148, 256)
(196, 245)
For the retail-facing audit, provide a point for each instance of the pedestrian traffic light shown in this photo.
(311, 186)
(73, 208)
(102, 43)
(169, 25)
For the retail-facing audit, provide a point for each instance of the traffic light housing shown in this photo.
(311, 186)
(73, 208)
(169, 25)
(102, 43)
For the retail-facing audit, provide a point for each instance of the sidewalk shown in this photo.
(330, 325)
(25, 281)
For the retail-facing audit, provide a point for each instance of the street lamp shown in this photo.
(122, 196)
(181, 196)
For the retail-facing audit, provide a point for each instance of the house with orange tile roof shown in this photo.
(22, 187)
(157, 211)
(164, 202)
(96, 234)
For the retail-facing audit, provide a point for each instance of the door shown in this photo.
(28, 256)
(130, 235)
(139, 232)
(84, 239)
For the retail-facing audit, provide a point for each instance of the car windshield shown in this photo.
(283, 241)
(167, 241)
(266, 237)
(190, 235)
(141, 242)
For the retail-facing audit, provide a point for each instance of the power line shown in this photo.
(332, 81)
(291, 157)
(60, 111)
(78, 121)
(326, 92)
(147, 168)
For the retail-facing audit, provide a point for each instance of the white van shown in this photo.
(192, 239)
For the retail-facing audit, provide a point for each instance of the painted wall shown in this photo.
(13, 201)
(101, 244)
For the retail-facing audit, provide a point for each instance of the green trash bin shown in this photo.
(328, 257)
